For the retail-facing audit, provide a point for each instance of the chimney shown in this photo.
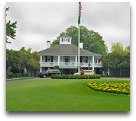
(81, 45)
(48, 44)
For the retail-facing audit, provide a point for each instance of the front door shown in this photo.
(66, 60)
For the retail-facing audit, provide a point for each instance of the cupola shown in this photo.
(65, 39)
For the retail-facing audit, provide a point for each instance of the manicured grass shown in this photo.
(61, 95)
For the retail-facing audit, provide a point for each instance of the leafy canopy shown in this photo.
(17, 60)
(119, 57)
(10, 29)
(91, 40)
(118, 48)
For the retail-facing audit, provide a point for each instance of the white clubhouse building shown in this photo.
(65, 56)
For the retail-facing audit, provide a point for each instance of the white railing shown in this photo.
(84, 64)
(68, 64)
(87, 64)
(48, 64)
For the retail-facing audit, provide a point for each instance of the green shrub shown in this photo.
(71, 76)
(17, 75)
(52, 76)
(113, 87)
(67, 76)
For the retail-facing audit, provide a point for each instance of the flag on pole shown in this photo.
(79, 14)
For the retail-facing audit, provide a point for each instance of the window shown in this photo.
(48, 58)
(95, 60)
(99, 61)
(83, 59)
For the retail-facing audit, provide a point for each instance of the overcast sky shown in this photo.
(39, 22)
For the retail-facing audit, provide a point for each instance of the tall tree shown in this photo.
(92, 41)
(118, 48)
(12, 61)
(117, 60)
(17, 61)
(10, 29)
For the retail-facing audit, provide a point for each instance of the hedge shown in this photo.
(113, 87)
(16, 75)
(67, 76)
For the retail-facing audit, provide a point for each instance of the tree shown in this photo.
(12, 61)
(92, 41)
(118, 60)
(18, 61)
(10, 29)
(118, 48)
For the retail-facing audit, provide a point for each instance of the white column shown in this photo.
(40, 63)
(76, 61)
(58, 60)
(40, 69)
(108, 71)
(93, 62)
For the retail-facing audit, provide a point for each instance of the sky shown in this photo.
(39, 22)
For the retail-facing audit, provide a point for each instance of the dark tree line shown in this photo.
(22, 62)
(118, 60)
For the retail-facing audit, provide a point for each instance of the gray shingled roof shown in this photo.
(66, 49)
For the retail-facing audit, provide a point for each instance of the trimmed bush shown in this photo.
(67, 76)
(17, 75)
(113, 87)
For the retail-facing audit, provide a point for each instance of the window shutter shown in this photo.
(42, 58)
(45, 58)
(80, 59)
(51, 58)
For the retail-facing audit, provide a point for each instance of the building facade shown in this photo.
(65, 56)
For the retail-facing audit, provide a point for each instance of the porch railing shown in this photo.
(49, 64)
(68, 64)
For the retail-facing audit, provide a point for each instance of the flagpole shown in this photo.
(79, 16)
(78, 49)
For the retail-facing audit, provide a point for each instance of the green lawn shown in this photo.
(61, 95)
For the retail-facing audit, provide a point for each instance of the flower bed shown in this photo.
(67, 76)
(113, 87)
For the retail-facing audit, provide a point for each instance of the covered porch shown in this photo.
(69, 61)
